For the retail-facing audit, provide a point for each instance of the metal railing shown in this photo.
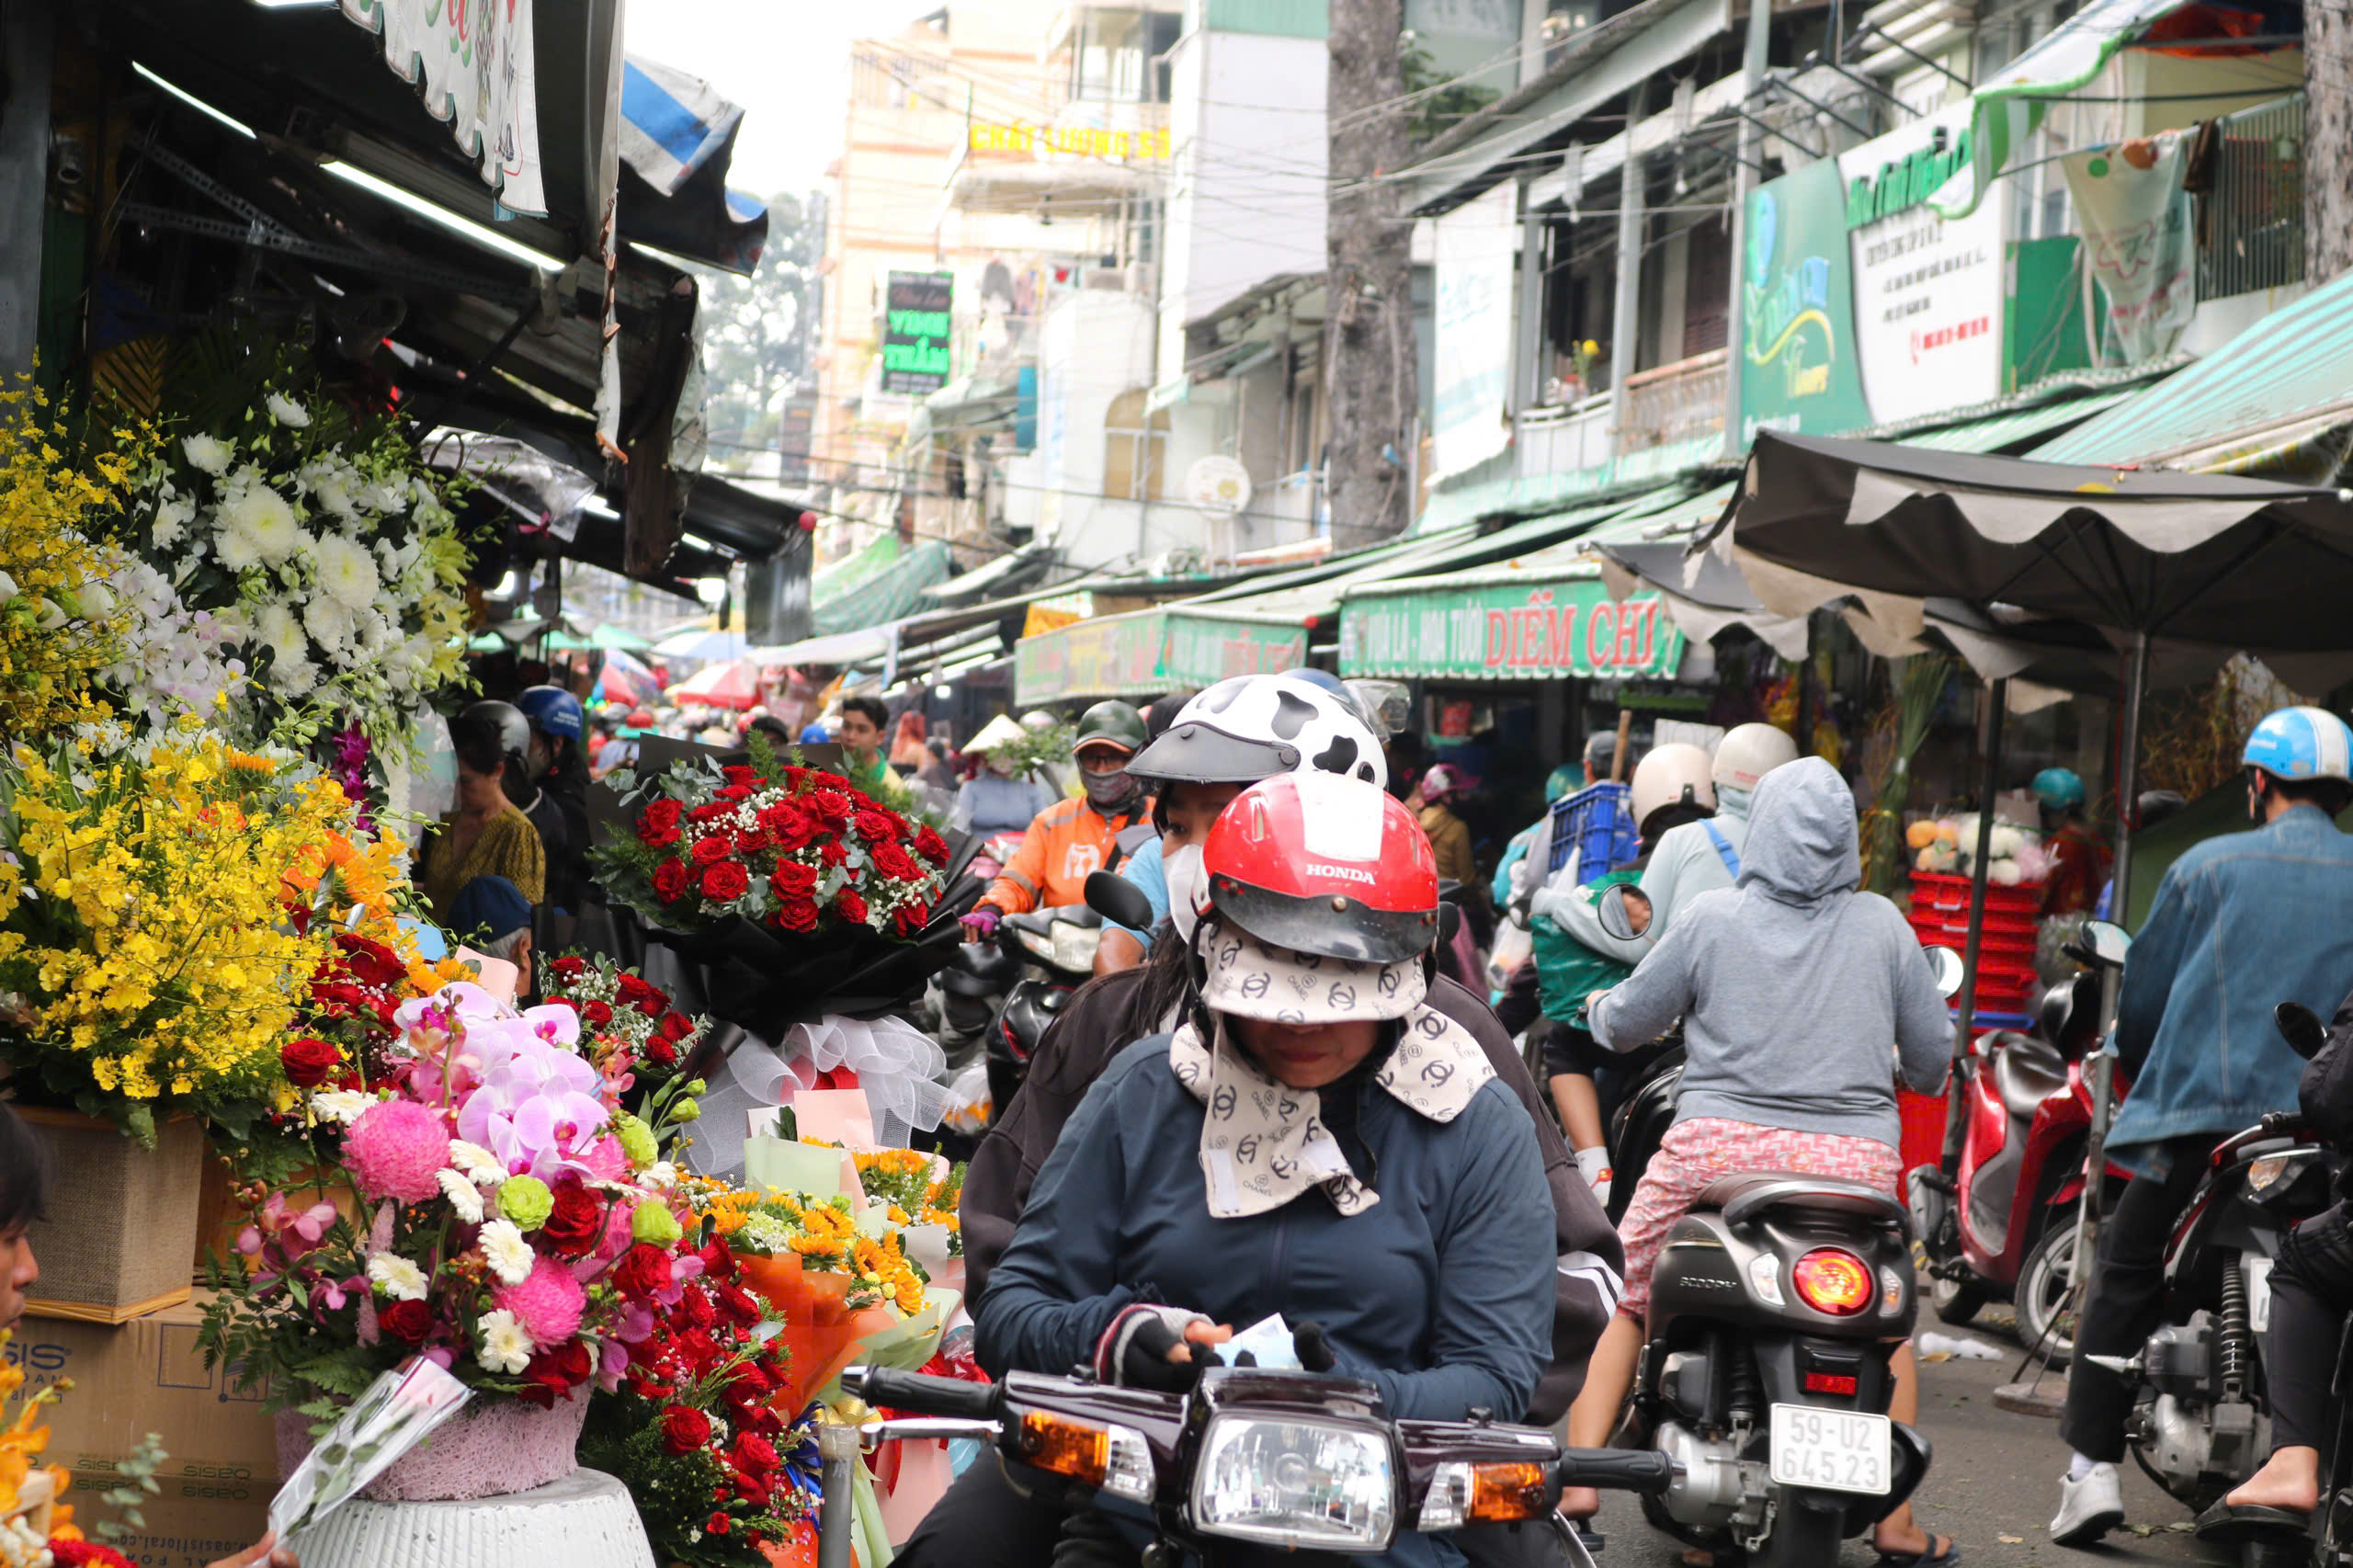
(2251, 218)
(1675, 403)
(1562, 440)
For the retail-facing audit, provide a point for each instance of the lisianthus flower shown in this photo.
(286, 411)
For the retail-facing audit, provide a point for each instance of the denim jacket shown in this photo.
(2240, 924)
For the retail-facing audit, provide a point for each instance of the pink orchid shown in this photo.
(612, 1363)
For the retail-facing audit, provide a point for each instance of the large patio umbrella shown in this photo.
(733, 685)
(703, 643)
(2141, 553)
(625, 681)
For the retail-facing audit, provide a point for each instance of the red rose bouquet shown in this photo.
(630, 1029)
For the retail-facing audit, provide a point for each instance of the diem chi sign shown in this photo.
(1508, 632)
(917, 308)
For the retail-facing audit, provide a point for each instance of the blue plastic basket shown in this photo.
(1598, 825)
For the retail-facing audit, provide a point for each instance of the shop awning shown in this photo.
(1206, 645)
(2274, 383)
(1546, 616)
(677, 140)
(884, 589)
(2008, 106)
(1477, 495)
(2013, 427)
(1116, 656)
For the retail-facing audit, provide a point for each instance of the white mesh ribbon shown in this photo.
(898, 1066)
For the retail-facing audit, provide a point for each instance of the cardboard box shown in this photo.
(148, 1376)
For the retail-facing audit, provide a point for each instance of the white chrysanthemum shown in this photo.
(766, 1233)
(343, 1105)
(239, 550)
(479, 1166)
(263, 517)
(208, 452)
(286, 412)
(509, 1255)
(659, 1177)
(293, 675)
(172, 518)
(275, 627)
(505, 1344)
(344, 570)
(330, 624)
(465, 1199)
(396, 1277)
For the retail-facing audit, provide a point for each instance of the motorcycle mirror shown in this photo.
(1615, 918)
(1948, 968)
(2108, 942)
(2301, 1027)
(1119, 901)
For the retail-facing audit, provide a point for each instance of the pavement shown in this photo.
(1993, 1487)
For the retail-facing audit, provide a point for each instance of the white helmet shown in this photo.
(1669, 775)
(1254, 727)
(1749, 752)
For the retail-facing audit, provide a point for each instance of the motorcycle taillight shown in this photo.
(1013, 1041)
(1832, 1281)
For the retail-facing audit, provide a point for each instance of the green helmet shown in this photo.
(1112, 724)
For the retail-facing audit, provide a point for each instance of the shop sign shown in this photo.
(1507, 632)
(1115, 656)
(474, 61)
(1070, 141)
(1202, 651)
(1474, 263)
(1861, 304)
(917, 312)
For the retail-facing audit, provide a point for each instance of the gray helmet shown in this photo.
(506, 721)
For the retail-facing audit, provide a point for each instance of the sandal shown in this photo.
(2232, 1523)
(1932, 1558)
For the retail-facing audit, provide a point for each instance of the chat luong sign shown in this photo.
(1506, 630)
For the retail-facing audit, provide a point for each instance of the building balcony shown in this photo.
(1674, 402)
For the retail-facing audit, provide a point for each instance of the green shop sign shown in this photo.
(1901, 184)
(1202, 649)
(918, 321)
(1117, 655)
(1508, 630)
(1799, 371)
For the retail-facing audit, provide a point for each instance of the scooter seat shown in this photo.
(1750, 1194)
(2028, 1072)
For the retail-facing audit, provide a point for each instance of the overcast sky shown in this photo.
(786, 62)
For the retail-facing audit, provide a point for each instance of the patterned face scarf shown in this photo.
(1264, 1144)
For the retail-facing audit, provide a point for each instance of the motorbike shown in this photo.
(2004, 1226)
(2201, 1417)
(1250, 1467)
(1767, 1375)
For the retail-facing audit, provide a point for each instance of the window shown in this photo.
(1117, 56)
(1133, 447)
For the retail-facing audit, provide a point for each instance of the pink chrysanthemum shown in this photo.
(549, 1301)
(605, 1160)
(396, 1150)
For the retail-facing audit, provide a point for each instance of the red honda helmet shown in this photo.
(1320, 863)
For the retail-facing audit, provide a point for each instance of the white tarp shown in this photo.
(1475, 257)
(2135, 216)
(472, 62)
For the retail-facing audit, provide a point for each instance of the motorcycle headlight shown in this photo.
(1038, 943)
(2273, 1177)
(1306, 1485)
(1073, 946)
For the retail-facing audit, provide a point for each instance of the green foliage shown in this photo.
(756, 331)
(128, 1495)
(1437, 101)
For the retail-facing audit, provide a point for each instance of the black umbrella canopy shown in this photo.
(2205, 557)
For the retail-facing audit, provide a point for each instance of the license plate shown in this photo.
(1834, 1451)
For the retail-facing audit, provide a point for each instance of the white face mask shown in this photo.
(1001, 765)
(1182, 868)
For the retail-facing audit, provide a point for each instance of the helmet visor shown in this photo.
(1334, 927)
(1196, 753)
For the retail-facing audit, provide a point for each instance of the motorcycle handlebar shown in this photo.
(1616, 1470)
(918, 1393)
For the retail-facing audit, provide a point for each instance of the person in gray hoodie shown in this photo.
(1800, 996)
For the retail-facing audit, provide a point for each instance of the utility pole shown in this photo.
(2328, 144)
(1369, 367)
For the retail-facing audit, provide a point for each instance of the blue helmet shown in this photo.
(1563, 780)
(553, 712)
(2297, 744)
(2059, 788)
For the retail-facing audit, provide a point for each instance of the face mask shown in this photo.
(1109, 789)
(1182, 868)
(1001, 765)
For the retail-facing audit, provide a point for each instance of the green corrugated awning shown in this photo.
(884, 590)
(1114, 655)
(2000, 430)
(2293, 369)
(1469, 502)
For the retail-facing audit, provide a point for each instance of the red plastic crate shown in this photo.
(1923, 1131)
(1935, 889)
(1941, 930)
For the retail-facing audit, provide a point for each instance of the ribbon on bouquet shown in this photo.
(896, 1064)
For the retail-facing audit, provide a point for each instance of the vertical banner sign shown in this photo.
(2135, 216)
(1475, 256)
(916, 307)
(474, 62)
(1927, 288)
(1797, 309)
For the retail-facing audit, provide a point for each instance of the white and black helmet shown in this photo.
(1254, 727)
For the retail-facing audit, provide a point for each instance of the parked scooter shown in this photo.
(1251, 1467)
(2006, 1226)
(2202, 1421)
(1775, 1305)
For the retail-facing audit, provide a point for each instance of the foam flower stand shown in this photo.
(491, 1449)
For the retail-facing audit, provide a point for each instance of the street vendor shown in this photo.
(485, 833)
(2079, 856)
(1071, 839)
(1000, 797)
(865, 722)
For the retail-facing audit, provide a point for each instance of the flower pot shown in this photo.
(493, 1448)
(122, 1220)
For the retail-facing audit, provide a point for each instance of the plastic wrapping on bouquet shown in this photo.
(821, 1330)
(767, 980)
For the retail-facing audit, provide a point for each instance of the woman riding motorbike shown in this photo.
(1232, 735)
(1311, 1140)
(1791, 986)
